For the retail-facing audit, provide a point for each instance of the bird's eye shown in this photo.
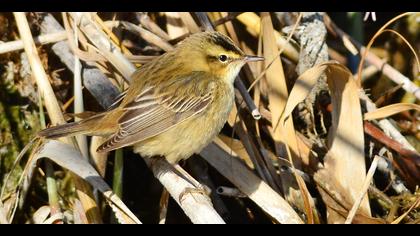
(223, 58)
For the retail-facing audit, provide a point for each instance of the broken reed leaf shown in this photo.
(303, 86)
(345, 161)
(68, 157)
(390, 110)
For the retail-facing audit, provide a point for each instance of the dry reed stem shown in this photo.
(197, 206)
(39, 40)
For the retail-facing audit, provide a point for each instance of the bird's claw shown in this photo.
(201, 189)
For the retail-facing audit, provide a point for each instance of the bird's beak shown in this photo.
(253, 58)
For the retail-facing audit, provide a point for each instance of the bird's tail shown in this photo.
(84, 126)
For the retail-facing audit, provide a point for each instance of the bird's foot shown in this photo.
(200, 189)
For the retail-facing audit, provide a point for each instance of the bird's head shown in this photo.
(215, 53)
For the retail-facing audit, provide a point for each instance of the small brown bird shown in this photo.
(175, 105)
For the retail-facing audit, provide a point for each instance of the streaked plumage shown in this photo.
(175, 105)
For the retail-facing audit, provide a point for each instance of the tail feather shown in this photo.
(71, 129)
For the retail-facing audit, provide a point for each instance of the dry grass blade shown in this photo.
(226, 18)
(71, 159)
(238, 147)
(78, 98)
(111, 34)
(345, 161)
(390, 110)
(3, 214)
(307, 199)
(268, 65)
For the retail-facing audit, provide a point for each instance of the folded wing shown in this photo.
(157, 108)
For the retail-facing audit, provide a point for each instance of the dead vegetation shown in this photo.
(325, 130)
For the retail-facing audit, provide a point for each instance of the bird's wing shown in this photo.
(160, 107)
